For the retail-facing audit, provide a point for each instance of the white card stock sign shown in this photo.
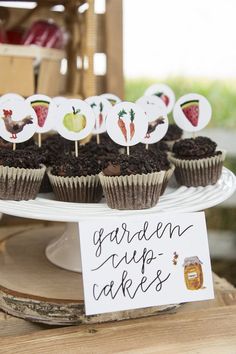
(131, 262)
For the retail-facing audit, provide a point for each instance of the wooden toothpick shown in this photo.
(146, 146)
(39, 140)
(127, 150)
(14, 146)
(98, 139)
(76, 148)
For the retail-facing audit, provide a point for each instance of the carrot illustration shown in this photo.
(121, 123)
(131, 125)
(100, 118)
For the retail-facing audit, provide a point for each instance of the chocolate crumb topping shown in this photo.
(194, 149)
(71, 166)
(20, 158)
(137, 163)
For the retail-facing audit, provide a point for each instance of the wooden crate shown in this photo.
(89, 34)
(17, 70)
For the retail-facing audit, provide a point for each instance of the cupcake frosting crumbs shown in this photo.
(140, 162)
(71, 166)
(20, 158)
(194, 149)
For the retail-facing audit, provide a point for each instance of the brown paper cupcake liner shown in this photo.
(194, 173)
(167, 177)
(132, 192)
(20, 183)
(84, 189)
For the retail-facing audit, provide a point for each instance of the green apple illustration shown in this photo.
(74, 121)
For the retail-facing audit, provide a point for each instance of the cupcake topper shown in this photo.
(164, 92)
(156, 113)
(11, 96)
(192, 112)
(126, 124)
(76, 120)
(44, 108)
(101, 106)
(113, 99)
(17, 121)
(58, 100)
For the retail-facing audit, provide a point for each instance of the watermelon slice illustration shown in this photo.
(41, 110)
(191, 111)
(164, 97)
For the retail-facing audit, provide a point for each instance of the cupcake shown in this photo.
(132, 181)
(21, 175)
(197, 162)
(173, 134)
(75, 179)
(162, 159)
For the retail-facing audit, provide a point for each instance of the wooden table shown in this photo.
(200, 327)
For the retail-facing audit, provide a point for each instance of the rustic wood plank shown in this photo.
(50, 81)
(192, 332)
(16, 75)
(188, 329)
(52, 295)
(114, 47)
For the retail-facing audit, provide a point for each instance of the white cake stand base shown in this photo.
(64, 252)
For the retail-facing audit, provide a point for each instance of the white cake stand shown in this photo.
(65, 250)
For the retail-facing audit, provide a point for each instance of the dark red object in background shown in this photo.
(3, 37)
(15, 36)
(44, 34)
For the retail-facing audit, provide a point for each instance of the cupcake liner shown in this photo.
(84, 189)
(20, 183)
(132, 192)
(167, 177)
(202, 172)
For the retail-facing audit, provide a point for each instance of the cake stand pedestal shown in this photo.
(31, 287)
(64, 252)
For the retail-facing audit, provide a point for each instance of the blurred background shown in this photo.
(189, 46)
(123, 47)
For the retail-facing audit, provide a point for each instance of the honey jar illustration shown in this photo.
(193, 274)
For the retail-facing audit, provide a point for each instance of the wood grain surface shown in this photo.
(201, 327)
(33, 288)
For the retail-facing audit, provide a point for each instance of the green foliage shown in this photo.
(220, 93)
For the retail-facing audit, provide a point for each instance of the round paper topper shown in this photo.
(164, 92)
(192, 112)
(156, 112)
(75, 119)
(17, 121)
(101, 106)
(113, 99)
(44, 109)
(126, 123)
(11, 96)
(58, 100)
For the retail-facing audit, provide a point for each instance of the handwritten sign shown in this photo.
(131, 262)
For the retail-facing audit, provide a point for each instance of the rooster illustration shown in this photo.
(12, 126)
(152, 126)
